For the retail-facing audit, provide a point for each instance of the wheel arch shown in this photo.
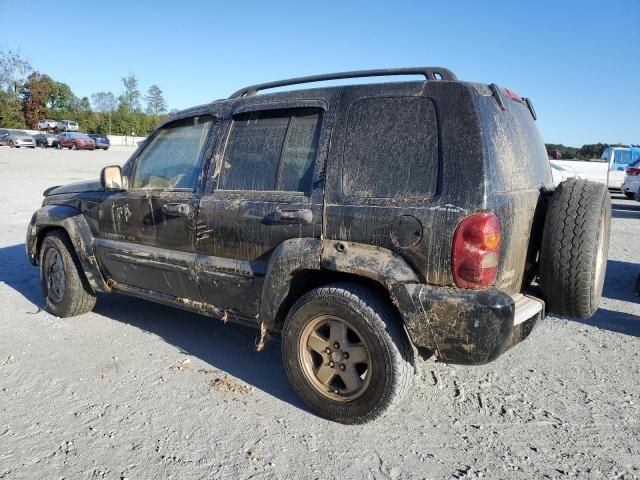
(300, 265)
(71, 221)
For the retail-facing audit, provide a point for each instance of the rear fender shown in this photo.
(291, 256)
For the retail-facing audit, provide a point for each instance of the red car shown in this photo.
(76, 141)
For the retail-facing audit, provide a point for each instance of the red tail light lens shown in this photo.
(476, 251)
(633, 171)
(514, 96)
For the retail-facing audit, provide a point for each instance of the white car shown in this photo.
(631, 185)
(609, 169)
(46, 124)
(560, 173)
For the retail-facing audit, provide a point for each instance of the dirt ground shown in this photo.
(143, 391)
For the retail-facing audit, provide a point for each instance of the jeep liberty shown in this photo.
(365, 223)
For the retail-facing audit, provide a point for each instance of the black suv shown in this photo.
(366, 223)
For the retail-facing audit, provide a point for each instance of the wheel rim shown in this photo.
(54, 275)
(334, 358)
(600, 259)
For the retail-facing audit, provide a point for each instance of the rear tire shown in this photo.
(65, 288)
(575, 243)
(346, 354)
(630, 195)
(74, 147)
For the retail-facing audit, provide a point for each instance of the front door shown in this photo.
(147, 233)
(265, 191)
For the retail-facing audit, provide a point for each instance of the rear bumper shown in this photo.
(469, 327)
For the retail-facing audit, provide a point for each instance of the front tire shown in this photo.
(74, 147)
(630, 195)
(345, 353)
(64, 286)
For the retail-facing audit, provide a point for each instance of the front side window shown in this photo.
(272, 150)
(172, 159)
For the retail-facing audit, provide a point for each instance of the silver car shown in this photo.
(67, 126)
(17, 139)
(46, 124)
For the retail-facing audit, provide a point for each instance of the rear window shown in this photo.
(515, 150)
(391, 148)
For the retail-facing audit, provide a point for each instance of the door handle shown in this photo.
(294, 216)
(176, 209)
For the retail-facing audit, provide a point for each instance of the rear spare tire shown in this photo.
(575, 244)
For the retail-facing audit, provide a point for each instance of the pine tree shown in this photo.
(155, 101)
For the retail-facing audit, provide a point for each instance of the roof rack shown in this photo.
(429, 73)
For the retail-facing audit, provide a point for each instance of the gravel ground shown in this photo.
(137, 390)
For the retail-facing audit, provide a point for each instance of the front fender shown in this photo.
(291, 256)
(75, 225)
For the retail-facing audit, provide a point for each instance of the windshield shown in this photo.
(21, 132)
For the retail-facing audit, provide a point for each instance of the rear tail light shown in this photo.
(633, 171)
(476, 251)
(514, 96)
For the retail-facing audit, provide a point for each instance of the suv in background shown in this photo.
(75, 141)
(366, 223)
(102, 141)
(631, 185)
(68, 126)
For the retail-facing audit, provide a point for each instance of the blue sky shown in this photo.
(579, 61)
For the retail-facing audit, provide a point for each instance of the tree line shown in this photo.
(585, 152)
(27, 96)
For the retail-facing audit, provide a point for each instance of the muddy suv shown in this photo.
(366, 223)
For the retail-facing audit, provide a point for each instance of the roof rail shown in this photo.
(429, 73)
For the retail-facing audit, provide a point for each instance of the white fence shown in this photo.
(116, 140)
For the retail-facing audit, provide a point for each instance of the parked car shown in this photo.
(45, 140)
(363, 222)
(68, 126)
(609, 169)
(75, 141)
(45, 124)
(17, 139)
(562, 173)
(102, 141)
(631, 184)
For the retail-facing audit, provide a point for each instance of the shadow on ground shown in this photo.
(227, 347)
(231, 348)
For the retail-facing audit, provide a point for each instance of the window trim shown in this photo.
(320, 105)
(149, 143)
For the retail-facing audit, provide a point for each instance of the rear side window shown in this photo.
(391, 148)
(272, 150)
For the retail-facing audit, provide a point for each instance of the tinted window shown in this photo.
(172, 159)
(271, 150)
(391, 148)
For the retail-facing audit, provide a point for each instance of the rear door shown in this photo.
(265, 190)
(147, 233)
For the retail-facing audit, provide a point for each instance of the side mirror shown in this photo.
(111, 178)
